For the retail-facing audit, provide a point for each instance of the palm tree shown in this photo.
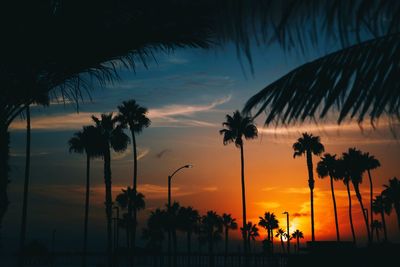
(377, 226)
(309, 144)
(85, 141)
(381, 205)
(281, 233)
(269, 222)
(188, 219)
(297, 235)
(370, 163)
(228, 223)
(211, 225)
(237, 127)
(328, 167)
(133, 116)
(356, 168)
(343, 172)
(392, 192)
(154, 232)
(130, 199)
(113, 137)
(252, 234)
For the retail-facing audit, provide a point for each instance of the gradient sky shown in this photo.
(188, 94)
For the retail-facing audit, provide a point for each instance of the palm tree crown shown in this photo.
(308, 142)
(86, 141)
(238, 127)
(129, 197)
(133, 115)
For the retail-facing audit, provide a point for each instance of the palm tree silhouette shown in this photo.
(297, 235)
(356, 168)
(343, 171)
(154, 232)
(269, 222)
(377, 226)
(309, 144)
(252, 234)
(328, 167)
(211, 225)
(113, 137)
(133, 116)
(281, 233)
(370, 163)
(85, 141)
(392, 192)
(228, 223)
(188, 219)
(237, 127)
(381, 205)
(130, 199)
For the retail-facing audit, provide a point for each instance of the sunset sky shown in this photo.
(188, 94)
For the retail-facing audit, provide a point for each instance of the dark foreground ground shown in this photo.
(319, 254)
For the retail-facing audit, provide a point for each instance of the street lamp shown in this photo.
(169, 207)
(288, 233)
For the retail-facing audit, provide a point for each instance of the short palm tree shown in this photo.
(212, 228)
(328, 167)
(392, 192)
(236, 128)
(281, 234)
(228, 223)
(356, 168)
(377, 226)
(113, 137)
(155, 229)
(309, 145)
(133, 116)
(85, 141)
(382, 205)
(269, 222)
(130, 199)
(188, 219)
(252, 234)
(370, 163)
(297, 235)
(343, 172)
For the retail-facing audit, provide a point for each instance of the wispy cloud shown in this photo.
(210, 188)
(162, 153)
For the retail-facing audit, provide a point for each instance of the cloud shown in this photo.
(268, 205)
(22, 155)
(177, 60)
(299, 214)
(210, 188)
(162, 153)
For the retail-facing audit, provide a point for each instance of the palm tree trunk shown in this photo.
(189, 244)
(283, 245)
(350, 213)
(335, 210)
(371, 192)
(226, 245)
(243, 200)
(384, 225)
(358, 194)
(85, 228)
(4, 168)
(210, 250)
(134, 210)
(107, 181)
(377, 234)
(311, 185)
(298, 244)
(272, 241)
(175, 243)
(397, 209)
(26, 186)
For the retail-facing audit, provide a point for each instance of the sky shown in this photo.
(188, 94)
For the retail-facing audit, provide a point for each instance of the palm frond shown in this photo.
(360, 80)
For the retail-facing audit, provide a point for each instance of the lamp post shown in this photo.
(169, 207)
(288, 233)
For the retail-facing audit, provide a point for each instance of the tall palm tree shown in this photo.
(309, 145)
(370, 163)
(113, 137)
(381, 205)
(392, 192)
(297, 235)
(133, 116)
(237, 127)
(356, 168)
(328, 167)
(343, 172)
(281, 233)
(228, 223)
(85, 141)
(377, 226)
(269, 222)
